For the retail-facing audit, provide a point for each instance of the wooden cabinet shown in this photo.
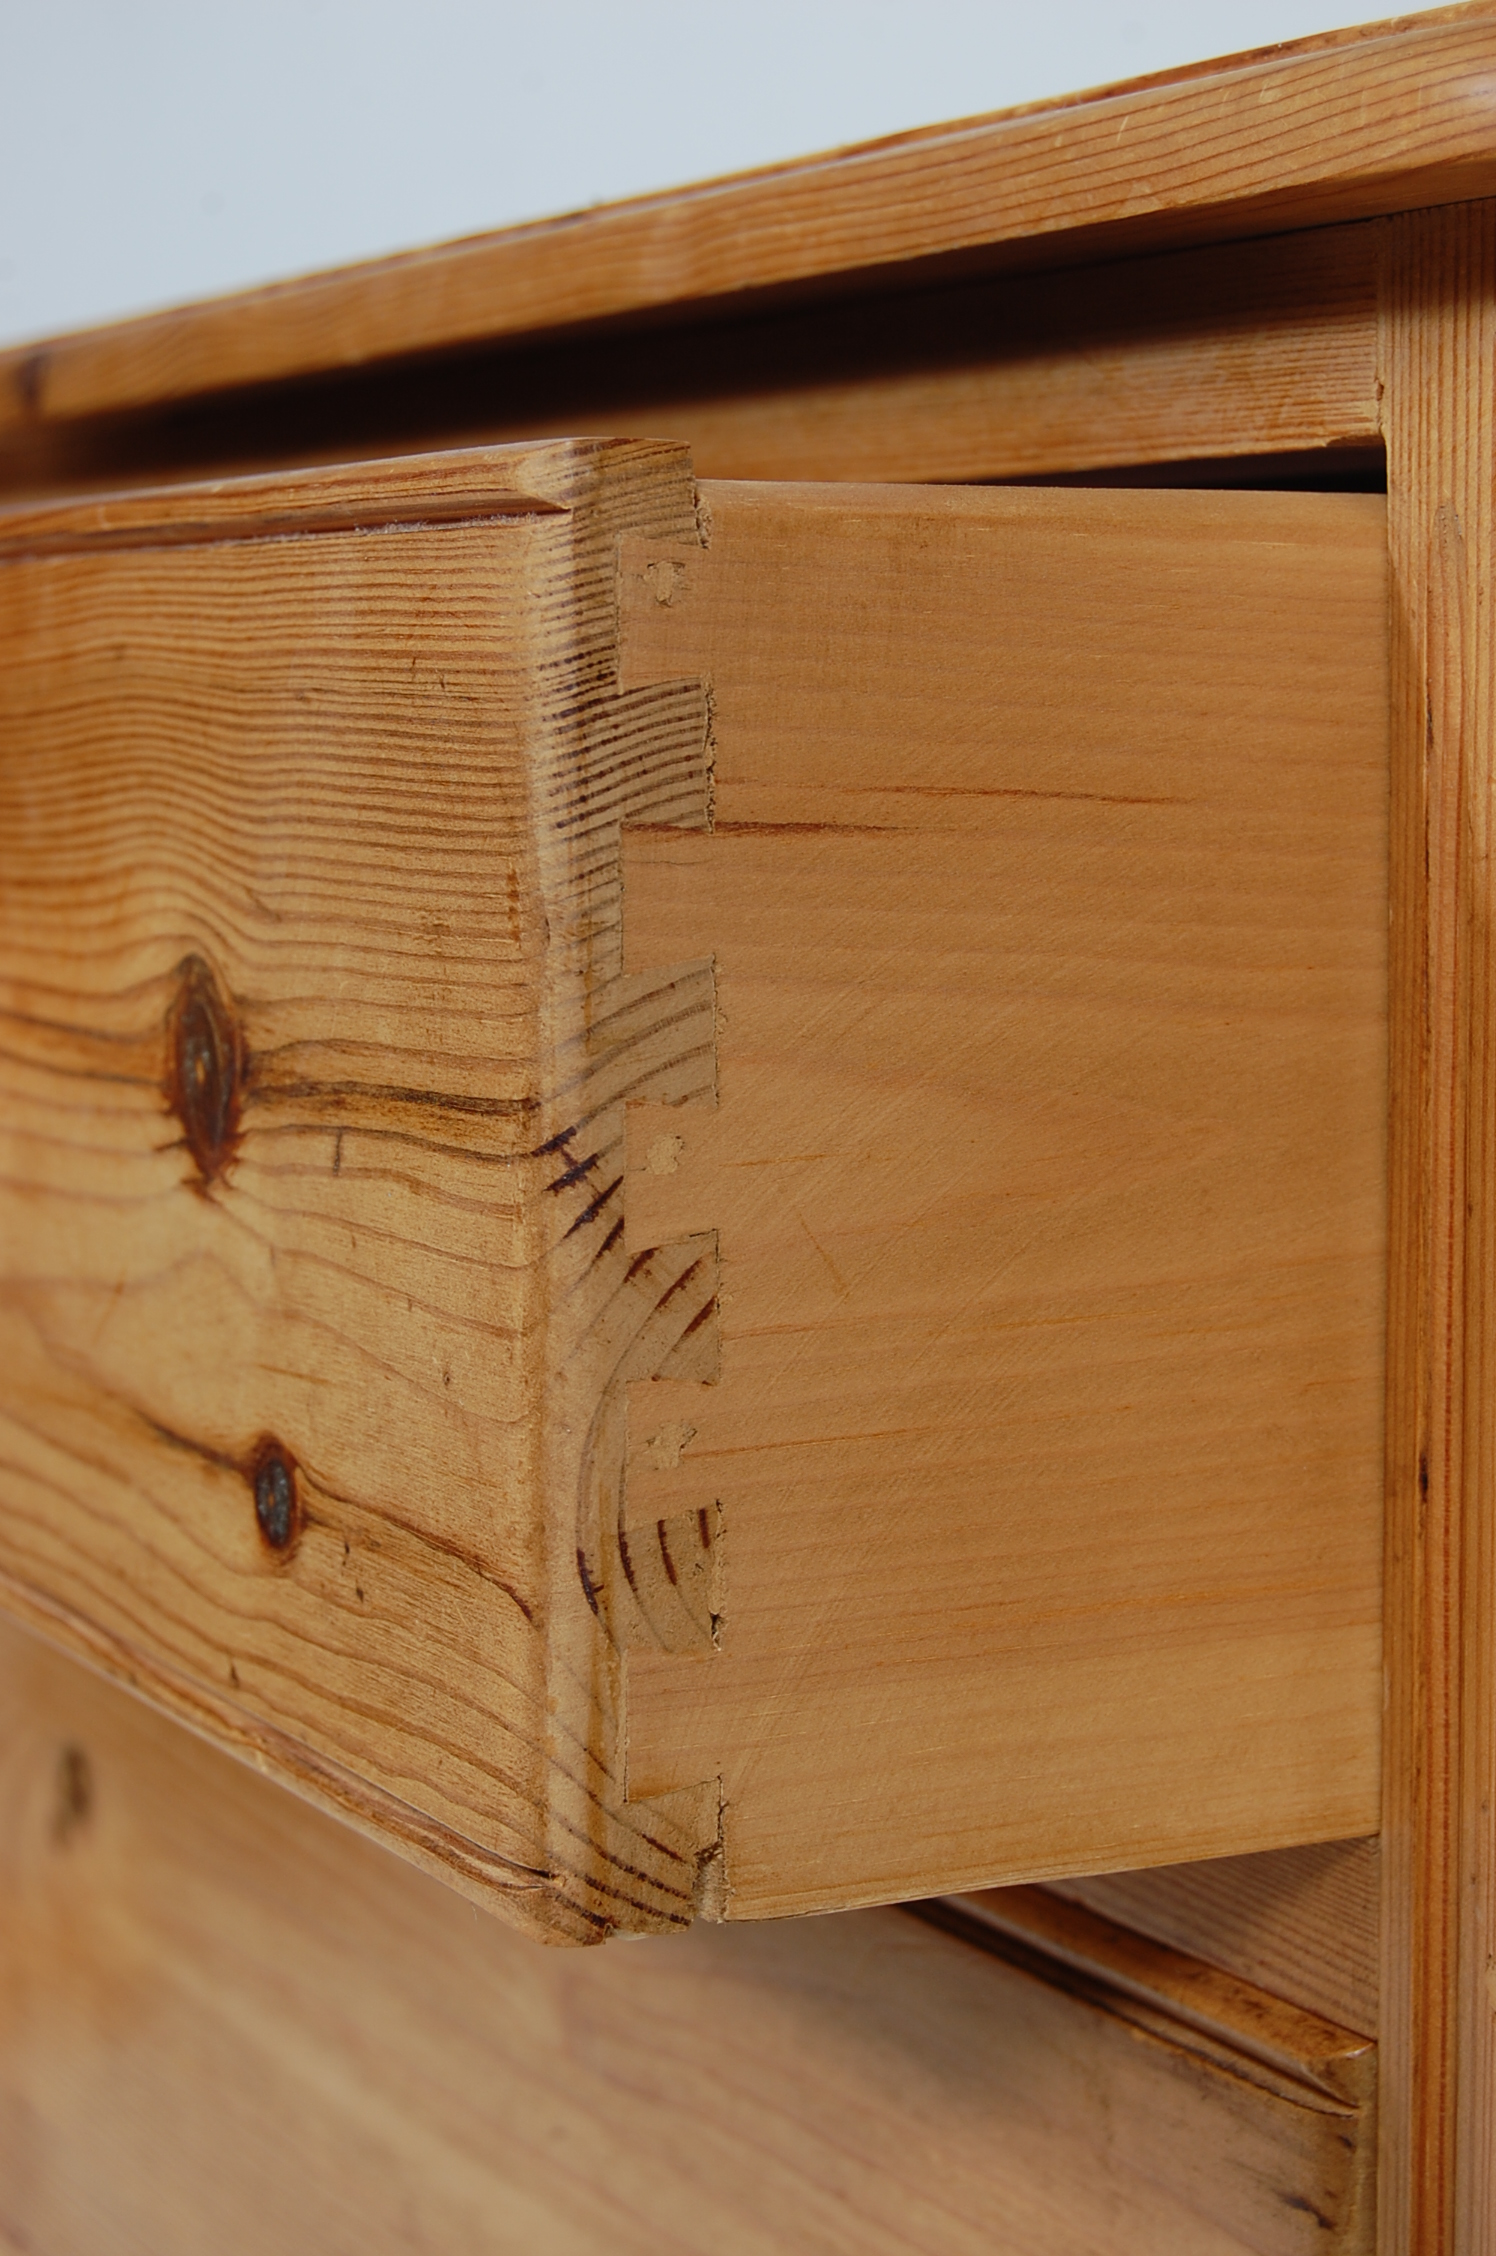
(971, 1156)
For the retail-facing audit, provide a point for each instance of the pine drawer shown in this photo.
(692, 1210)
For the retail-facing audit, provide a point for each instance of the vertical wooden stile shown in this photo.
(1439, 373)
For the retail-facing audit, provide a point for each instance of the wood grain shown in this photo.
(1256, 145)
(1242, 350)
(1284, 2039)
(1438, 2168)
(362, 1225)
(1047, 1174)
(227, 2024)
(1303, 1924)
(312, 1289)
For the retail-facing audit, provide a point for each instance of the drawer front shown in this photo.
(692, 1199)
(230, 2026)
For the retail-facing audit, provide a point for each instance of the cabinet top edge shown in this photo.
(1314, 133)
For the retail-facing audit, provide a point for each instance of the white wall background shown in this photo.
(157, 150)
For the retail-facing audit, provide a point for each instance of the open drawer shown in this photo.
(692, 1180)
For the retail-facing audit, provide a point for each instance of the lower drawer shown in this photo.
(691, 1179)
(229, 2025)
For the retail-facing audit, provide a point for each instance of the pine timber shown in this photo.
(1439, 2138)
(1047, 1176)
(314, 1048)
(1250, 349)
(228, 2024)
(1220, 346)
(1284, 2039)
(1303, 1924)
(361, 1220)
(1303, 136)
(1240, 351)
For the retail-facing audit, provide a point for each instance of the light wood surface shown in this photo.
(1289, 138)
(1303, 1924)
(1439, 1994)
(335, 1294)
(311, 803)
(1047, 1171)
(1241, 350)
(1245, 349)
(1167, 391)
(1284, 2040)
(229, 2025)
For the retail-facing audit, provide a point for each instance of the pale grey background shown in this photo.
(157, 150)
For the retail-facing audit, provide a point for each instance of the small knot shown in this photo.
(277, 1500)
(205, 1071)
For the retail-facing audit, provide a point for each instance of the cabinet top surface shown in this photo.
(1392, 116)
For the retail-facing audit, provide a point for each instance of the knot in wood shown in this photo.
(205, 1071)
(277, 1499)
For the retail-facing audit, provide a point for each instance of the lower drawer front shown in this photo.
(231, 2026)
(691, 1196)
